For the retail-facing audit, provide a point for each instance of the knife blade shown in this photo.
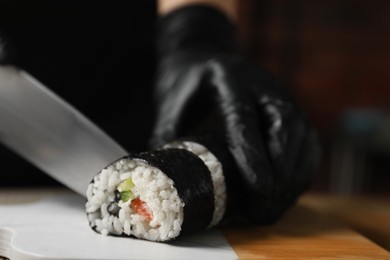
(50, 133)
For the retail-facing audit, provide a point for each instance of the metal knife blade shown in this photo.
(50, 133)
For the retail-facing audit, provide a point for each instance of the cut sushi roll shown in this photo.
(158, 195)
(216, 172)
(134, 198)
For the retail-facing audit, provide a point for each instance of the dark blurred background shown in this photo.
(97, 56)
(334, 55)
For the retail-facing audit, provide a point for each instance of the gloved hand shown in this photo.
(203, 78)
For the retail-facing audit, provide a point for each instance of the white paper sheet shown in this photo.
(57, 228)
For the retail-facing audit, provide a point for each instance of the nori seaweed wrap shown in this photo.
(160, 194)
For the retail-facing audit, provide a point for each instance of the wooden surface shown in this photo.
(303, 233)
(315, 228)
(368, 216)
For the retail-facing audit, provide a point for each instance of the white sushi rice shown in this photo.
(217, 177)
(151, 186)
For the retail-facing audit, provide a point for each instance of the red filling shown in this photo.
(141, 208)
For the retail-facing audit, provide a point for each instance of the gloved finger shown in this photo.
(242, 126)
(287, 190)
(286, 132)
(175, 88)
(292, 145)
(290, 189)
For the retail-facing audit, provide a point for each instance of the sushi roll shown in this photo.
(215, 168)
(158, 195)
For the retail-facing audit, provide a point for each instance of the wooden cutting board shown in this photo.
(57, 228)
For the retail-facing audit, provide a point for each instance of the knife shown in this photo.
(50, 133)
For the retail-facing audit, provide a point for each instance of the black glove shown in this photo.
(202, 81)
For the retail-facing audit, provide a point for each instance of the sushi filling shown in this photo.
(217, 177)
(132, 198)
(124, 195)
